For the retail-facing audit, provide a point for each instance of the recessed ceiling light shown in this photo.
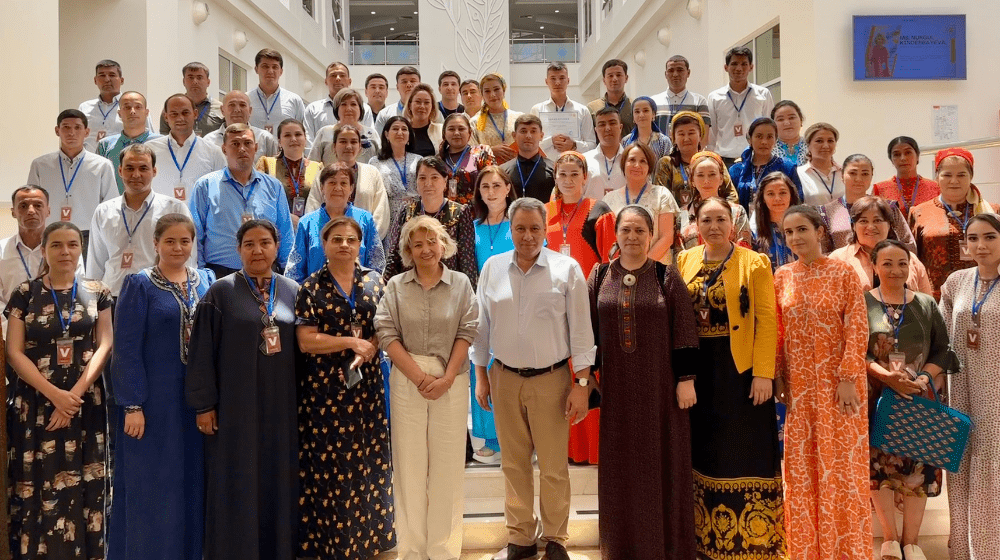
(541, 27)
(414, 13)
(373, 13)
(392, 29)
(557, 11)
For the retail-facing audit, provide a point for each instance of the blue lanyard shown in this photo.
(916, 188)
(676, 108)
(503, 135)
(628, 199)
(402, 171)
(131, 232)
(69, 185)
(238, 187)
(740, 108)
(896, 325)
(954, 214)
(288, 169)
(454, 168)
(833, 180)
(267, 111)
(270, 301)
(351, 299)
(977, 304)
(524, 182)
(64, 322)
(684, 174)
(24, 263)
(180, 167)
(201, 114)
(843, 201)
(563, 108)
(610, 167)
(778, 246)
(104, 116)
(191, 294)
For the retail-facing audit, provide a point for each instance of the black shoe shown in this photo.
(555, 551)
(518, 552)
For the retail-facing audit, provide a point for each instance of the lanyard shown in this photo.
(628, 199)
(895, 324)
(833, 180)
(267, 110)
(24, 263)
(201, 114)
(402, 171)
(104, 116)
(916, 188)
(843, 201)
(740, 108)
(350, 298)
(563, 108)
(181, 167)
(239, 189)
(565, 223)
(62, 172)
(676, 108)
(778, 244)
(190, 292)
(617, 107)
(503, 135)
(977, 304)
(494, 233)
(454, 168)
(715, 275)
(295, 182)
(954, 214)
(65, 322)
(609, 167)
(524, 182)
(684, 174)
(131, 232)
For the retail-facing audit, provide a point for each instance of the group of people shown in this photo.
(206, 331)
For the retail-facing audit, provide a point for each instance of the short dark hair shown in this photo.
(108, 63)
(385, 149)
(195, 66)
(28, 188)
(338, 167)
(478, 204)
(435, 163)
(526, 119)
(739, 51)
(651, 160)
(268, 53)
(138, 150)
(555, 66)
(376, 76)
(72, 114)
(178, 96)
(133, 92)
(889, 242)
(679, 58)
(787, 103)
(256, 223)
(406, 70)
(612, 63)
(336, 64)
(448, 73)
(606, 110)
(864, 204)
(469, 81)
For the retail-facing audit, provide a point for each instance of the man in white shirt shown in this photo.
(237, 110)
(320, 113)
(102, 111)
(534, 316)
(376, 90)
(77, 180)
(134, 117)
(122, 240)
(732, 108)
(677, 97)
(270, 102)
(615, 75)
(581, 131)
(407, 78)
(604, 170)
(207, 109)
(21, 254)
(184, 157)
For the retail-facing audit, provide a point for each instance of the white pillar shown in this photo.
(471, 37)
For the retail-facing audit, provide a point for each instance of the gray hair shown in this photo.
(527, 203)
(432, 227)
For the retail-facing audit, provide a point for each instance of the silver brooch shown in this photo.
(629, 280)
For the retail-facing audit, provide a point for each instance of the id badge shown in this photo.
(896, 362)
(127, 260)
(66, 214)
(101, 134)
(64, 351)
(356, 330)
(298, 206)
(738, 130)
(963, 251)
(187, 334)
(565, 249)
(452, 188)
(972, 339)
(353, 377)
(685, 197)
(703, 318)
(247, 216)
(269, 128)
(180, 191)
(272, 340)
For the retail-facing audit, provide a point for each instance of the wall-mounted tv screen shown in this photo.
(909, 47)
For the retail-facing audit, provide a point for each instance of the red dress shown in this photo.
(594, 220)
(890, 190)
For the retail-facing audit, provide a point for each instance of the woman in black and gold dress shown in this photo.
(345, 470)
(734, 432)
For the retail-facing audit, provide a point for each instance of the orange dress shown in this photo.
(823, 326)
(599, 224)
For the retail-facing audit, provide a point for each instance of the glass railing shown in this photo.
(385, 51)
(524, 50)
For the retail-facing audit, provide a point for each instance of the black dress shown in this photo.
(252, 461)
(345, 466)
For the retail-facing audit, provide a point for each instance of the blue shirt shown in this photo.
(745, 180)
(497, 235)
(217, 206)
(307, 254)
(111, 147)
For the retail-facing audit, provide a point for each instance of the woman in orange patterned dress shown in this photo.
(823, 330)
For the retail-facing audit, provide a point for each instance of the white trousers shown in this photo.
(428, 464)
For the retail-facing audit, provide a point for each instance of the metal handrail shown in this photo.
(574, 43)
(979, 143)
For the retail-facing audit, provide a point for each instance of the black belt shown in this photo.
(532, 372)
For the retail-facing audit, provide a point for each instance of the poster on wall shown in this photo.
(909, 47)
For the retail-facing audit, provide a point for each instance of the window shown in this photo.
(338, 21)
(766, 49)
(588, 19)
(309, 7)
(231, 76)
(387, 31)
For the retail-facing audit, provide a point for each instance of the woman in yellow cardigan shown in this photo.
(734, 432)
(296, 173)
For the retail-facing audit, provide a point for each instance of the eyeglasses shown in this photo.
(340, 239)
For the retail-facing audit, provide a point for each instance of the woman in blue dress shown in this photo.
(159, 464)
(758, 161)
(493, 196)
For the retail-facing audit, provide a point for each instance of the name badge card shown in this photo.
(896, 362)
(972, 339)
(127, 260)
(272, 340)
(180, 191)
(269, 128)
(703, 318)
(963, 251)
(64, 351)
(356, 330)
(66, 214)
(738, 130)
(298, 206)
(247, 216)
(452, 188)
(565, 249)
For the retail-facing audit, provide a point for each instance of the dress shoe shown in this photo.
(555, 551)
(518, 552)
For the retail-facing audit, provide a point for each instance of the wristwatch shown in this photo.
(582, 381)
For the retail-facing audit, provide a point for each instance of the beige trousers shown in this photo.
(428, 465)
(530, 416)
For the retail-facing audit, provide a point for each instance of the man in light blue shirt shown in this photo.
(222, 200)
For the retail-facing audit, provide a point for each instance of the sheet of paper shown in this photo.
(945, 123)
(554, 123)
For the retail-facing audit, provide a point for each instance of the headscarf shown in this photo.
(975, 198)
(485, 111)
(727, 188)
(695, 116)
(634, 136)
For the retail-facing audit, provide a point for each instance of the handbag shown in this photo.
(921, 429)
